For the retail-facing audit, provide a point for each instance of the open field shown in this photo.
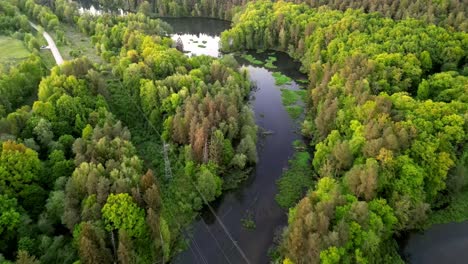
(11, 50)
(77, 44)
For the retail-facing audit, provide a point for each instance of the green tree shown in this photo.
(121, 212)
(19, 168)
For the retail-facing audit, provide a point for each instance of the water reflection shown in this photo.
(90, 10)
(200, 36)
(445, 243)
(256, 195)
(200, 44)
(96, 12)
(198, 26)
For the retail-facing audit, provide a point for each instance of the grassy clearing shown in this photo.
(12, 50)
(295, 180)
(251, 59)
(269, 63)
(294, 111)
(281, 79)
(77, 45)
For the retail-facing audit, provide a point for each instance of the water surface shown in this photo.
(443, 243)
(256, 196)
(200, 36)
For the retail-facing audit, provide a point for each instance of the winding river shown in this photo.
(223, 238)
(256, 197)
(446, 243)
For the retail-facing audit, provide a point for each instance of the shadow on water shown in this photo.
(441, 243)
(255, 197)
(197, 26)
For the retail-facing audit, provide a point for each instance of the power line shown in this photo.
(241, 252)
(172, 215)
(199, 251)
(225, 229)
(216, 241)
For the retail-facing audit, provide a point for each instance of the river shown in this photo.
(447, 243)
(228, 241)
(256, 196)
(441, 243)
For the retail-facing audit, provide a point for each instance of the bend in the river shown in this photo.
(211, 242)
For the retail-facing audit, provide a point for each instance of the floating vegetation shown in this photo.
(289, 97)
(201, 46)
(302, 94)
(294, 111)
(299, 145)
(281, 79)
(295, 180)
(204, 41)
(302, 81)
(269, 62)
(251, 59)
(248, 221)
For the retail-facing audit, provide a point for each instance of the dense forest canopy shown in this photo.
(109, 162)
(388, 118)
(449, 13)
(76, 183)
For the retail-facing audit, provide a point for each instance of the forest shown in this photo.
(79, 184)
(387, 115)
(110, 162)
(446, 13)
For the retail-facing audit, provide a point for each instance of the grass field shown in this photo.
(12, 50)
(78, 43)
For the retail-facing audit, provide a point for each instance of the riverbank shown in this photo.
(248, 214)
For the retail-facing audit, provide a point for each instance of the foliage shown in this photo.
(121, 212)
(384, 158)
(26, 75)
(72, 167)
(269, 63)
(294, 111)
(251, 59)
(281, 79)
(289, 97)
(449, 14)
(248, 221)
(295, 180)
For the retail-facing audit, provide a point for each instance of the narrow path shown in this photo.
(51, 43)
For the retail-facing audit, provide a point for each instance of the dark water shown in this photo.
(211, 243)
(445, 243)
(199, 35)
